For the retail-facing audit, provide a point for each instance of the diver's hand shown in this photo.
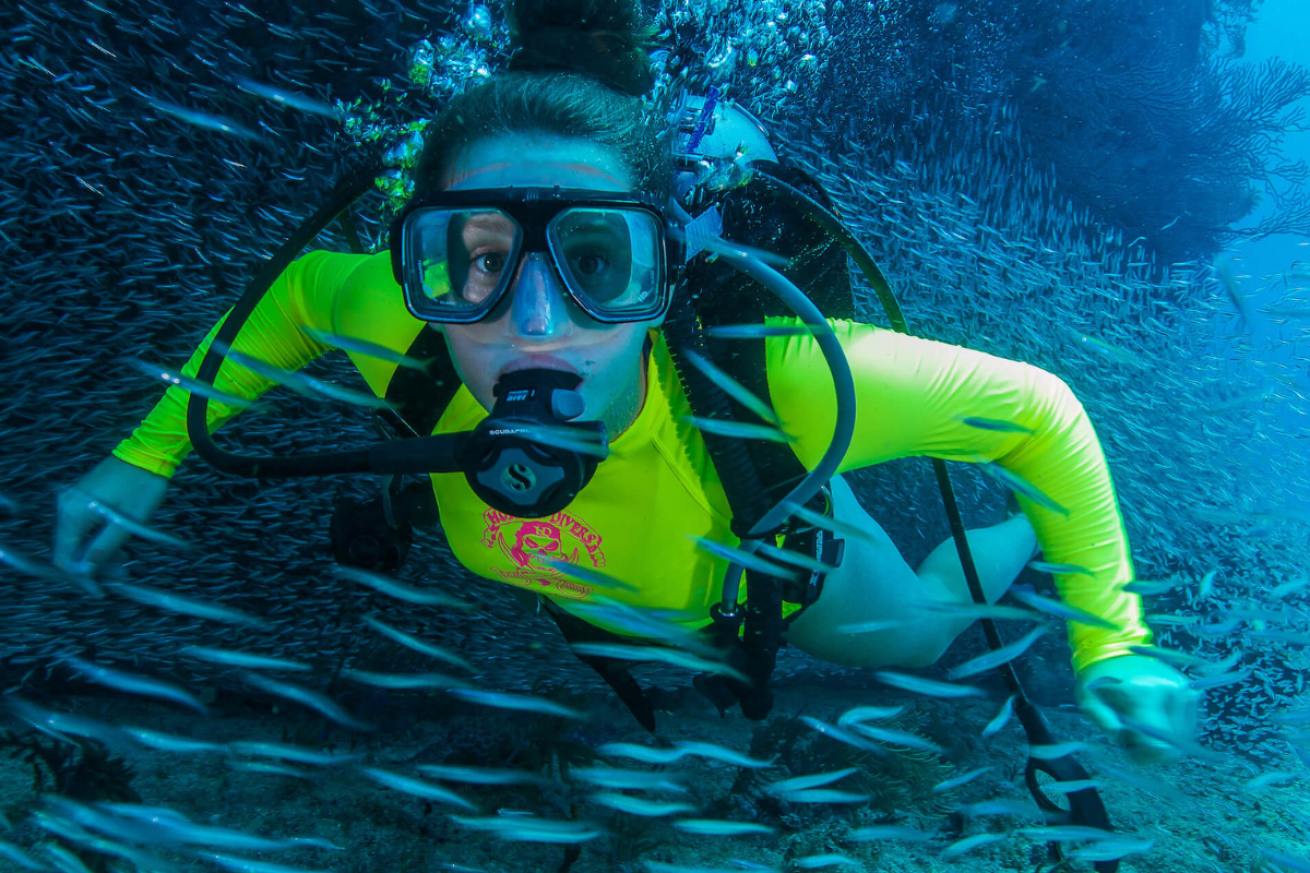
(85, 540)
(1142, 691)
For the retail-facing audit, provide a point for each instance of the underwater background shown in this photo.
(1114, 191)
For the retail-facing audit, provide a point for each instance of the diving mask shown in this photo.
(455, 253)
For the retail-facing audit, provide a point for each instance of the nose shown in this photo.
(537, 307)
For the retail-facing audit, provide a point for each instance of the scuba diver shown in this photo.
(558, 264)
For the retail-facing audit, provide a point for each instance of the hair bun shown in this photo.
(604, 39)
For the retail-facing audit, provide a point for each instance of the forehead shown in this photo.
(540, 160)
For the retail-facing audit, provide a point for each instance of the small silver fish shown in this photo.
(868, 713)
(645, 754)
(19, 857)
(1169, 656)
(738, 430)
(1273, 777)
(1059, 569)
(587, 574)
(733, 388)
(962, 609)
(1287, 588)
(828, 523)
(194, 386)
(656, 624)
(814, 780)
(289, 99)
(843, 735)
(484, 775)
(656, 653)
(864, 627)
(410, 641)
(399, 590)
(403, 681)
(754, 331)
(996, 658)
(522, 702)
(1056, 750)
(285, 752)
(1147, 589)
(416, 787)
(1114, 353)
(58, 724)
(896, 737)
(994, 424)
(1221, 679)
(37, 569)
(1072, 786)
(1059, 609)
(1207, 583)
(963, 779)
(301, 383)
(818, 862)
(888, 832)
(1018, 484)
(640, 805)
(1002, 718)
(748, 560)
(719, 753)
(927, 687)
(611, 777)
(203, 120)
(1067, 833)
(719, 827)
(999, 806)
(231, 658)
(823, 795)
(532, 829)
(968, 844)
(158, 597)
(1111, 850)
(315, 700)
(133, 684)
(171, 743)
(571, 439)
(788, 556)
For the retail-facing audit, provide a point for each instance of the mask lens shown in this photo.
(609, 257)
(462, 259)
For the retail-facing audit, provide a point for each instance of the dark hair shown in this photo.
(580, 70)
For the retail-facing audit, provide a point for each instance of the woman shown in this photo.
(569, 114)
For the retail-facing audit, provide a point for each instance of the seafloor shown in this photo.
(1202, 816)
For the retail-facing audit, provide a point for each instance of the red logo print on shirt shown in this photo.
(562, 537)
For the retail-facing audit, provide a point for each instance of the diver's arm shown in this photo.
(912, 395)
(305, 295)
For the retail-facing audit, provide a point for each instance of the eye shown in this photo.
(590, 264)
(491, 262)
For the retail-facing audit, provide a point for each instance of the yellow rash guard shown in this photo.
(658, 489)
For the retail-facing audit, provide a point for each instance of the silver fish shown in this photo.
(1207, 584)
(843, 735)
(532, 829)
(1019, 485)
(1221, 679)
(963, 779)
(1059, 569)
(1147, 589)
(315, 700)
(248, 865)
(994, 424)
(231, 658)
(996, 658)
(1072, 786)
(748, 560)
(611, 777)
(754, 331)
(645, 754)
(1002, 718)
(588, 575)
(162, 599)
(203, 119)
(814, 780)
(733, 388)
(410, 641)
(289, 99)
(640, 805)
(403, 681)
(367, 348)
(824, 522)
(1111, 850)
(712, 827)
(927, 687)
(818, 862)
(868, 713)
(1067, 833)
(194, 386)
(60, 724)
(963, 609)
(284, 752)
(822, 795)
(1287, 588)
(1000, 806)
(1059, 609)
(399, 590)
(483, 775)
(563, 436)
(31, 567)
(134, 684)
(788, 556)
(738, 430)
(864, 627)
(171, 743)
(719, 753)
(968, 844)
(895, 737)
(1273, 777)
(300, 382)
(1056, 750)
(888, 832)
(656, 653)
(522, 702)
(416, 787)
(19, 857)
(1181, 660)
(1114, 353)
(650, 623)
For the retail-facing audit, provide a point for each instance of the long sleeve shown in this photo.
(912, 395)
(305, 295)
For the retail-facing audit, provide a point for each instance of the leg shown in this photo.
(875, 584)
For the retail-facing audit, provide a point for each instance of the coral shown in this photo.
(81, 770)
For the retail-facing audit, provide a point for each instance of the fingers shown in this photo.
(74, 526)
(105, 545)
